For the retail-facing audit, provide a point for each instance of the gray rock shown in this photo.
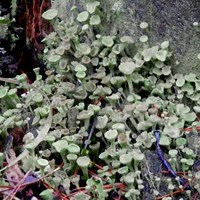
(168, 20)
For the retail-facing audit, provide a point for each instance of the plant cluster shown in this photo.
(103, 97)
(8, 66)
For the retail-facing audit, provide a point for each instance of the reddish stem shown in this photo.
(98, 166)
(99, 100)
(179, 173)
(196, 195)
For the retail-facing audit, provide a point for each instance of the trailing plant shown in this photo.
(96, 112)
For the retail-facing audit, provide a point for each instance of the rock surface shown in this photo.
(168, 20)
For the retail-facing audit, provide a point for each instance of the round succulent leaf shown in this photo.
(83, 161)
(80, 68)
(159, 64)
(111, 135)
(145, 139)
(90, 86)
(54, 58)
(196, 109)
(4, 21)
(144, 38)
(47, 194)
(172, 131)
(42, 162)
(2, 119)
(73, 148)
(191, 77)
(190, 117)
(181, 141)
(22, 77)
(95, 62)
(95, 108)
(180, 81)
(123, 170)
(60, 145)
(187, 87)
(190, 162)
(197, 175)
(80, 75)
(129, 178)
(173, 119)
(137, 155)
(137, 57)
(78, 54)
(60, 50)
(194, 97)
(181, 109)
(85, 114)
(142, 107)
(154, 119)
(83, 16)
(144, 125)
(144, 25)
(91, 6)
(107, 41)
(164, 140)
(85, 27)
(68, 87)
(63, 63)
(104, 155)
(127, 68)
(167, 85)
(83, 48)
(30, 146)
(50, 138)
(81, 196)
(107, 91)
(115, 164)
(157, 71)
(101, 122)
(166, 70)
(123, 138)
(173, 152)
(94, 51)
(72, 157)
(125, 158)
(113, 97)
(147, 54)
(12, 91)
(117, 80)
(139, 63)
(86, 59)
(118, 48)
(3, 92)
(126, 39)
(9, 122)
(119, 127)
(197, 85)
(50, 14)
(136, 77)
(95, 20)
(165, 45)
(80, 93)
(161, 55)
(37, 98)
